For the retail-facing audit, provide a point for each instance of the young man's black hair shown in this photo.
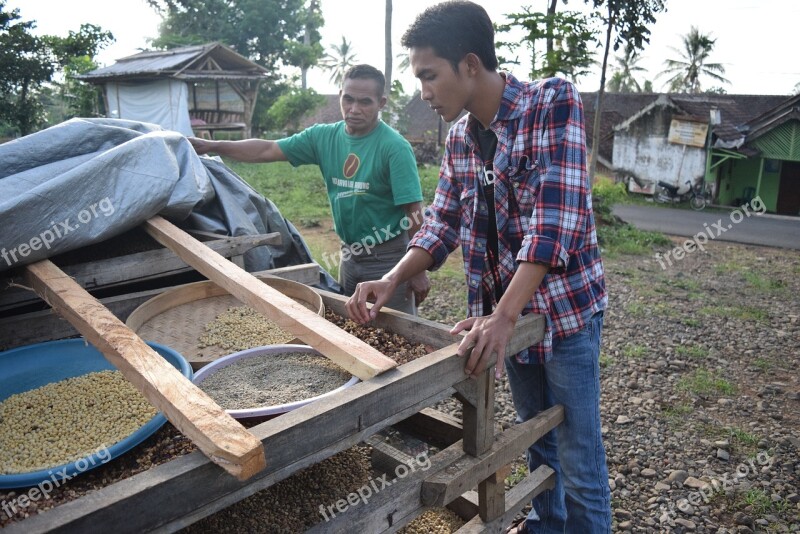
(453, 30)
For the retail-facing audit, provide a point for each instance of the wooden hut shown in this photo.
(201, 89)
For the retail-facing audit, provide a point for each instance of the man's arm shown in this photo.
(247, 150)
(419, 284)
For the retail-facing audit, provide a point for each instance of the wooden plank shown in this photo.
(478, 414)
(408, 326)
(345, 349)
(435, 426)
(45, 325)
(188, 488)
(137, 267)
(544, 478)
(491, 497)
(193, 412)
(446, 486)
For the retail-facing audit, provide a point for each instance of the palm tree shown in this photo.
(622, 80)
(693, 64)
(339, 61)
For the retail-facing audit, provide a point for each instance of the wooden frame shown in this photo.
(190, 487)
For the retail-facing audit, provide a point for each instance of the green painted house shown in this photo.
(762, 160)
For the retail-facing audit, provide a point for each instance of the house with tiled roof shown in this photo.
(679, 138)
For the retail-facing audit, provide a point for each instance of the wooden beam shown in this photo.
(445, 486)
(189, 488)
(137, 267)
(346, 350)
(544, 478)
(40, 326)
(193, 412)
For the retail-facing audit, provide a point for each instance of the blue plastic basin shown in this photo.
(33, 366)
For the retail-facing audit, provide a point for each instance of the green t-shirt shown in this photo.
(368, 178)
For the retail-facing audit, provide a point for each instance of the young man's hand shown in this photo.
(379, 292)
(488, 336)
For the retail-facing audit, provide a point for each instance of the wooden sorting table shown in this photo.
(172, 495)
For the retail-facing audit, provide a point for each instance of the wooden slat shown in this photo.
(344, 349)
(544, 478)
(408, 326)
(193, 412)
(137, 267)
(188, 488)
(443, 487)
(37, 327)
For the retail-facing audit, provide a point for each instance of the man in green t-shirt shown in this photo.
(372, 181)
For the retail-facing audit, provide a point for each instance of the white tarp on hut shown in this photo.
(162, 102)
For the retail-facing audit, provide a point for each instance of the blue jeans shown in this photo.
(580, 502)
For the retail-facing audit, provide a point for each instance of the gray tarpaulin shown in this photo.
(87, 180)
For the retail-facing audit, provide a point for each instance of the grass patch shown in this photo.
(763, 283)
(606, 360)
(634, 351)
(635, 309)
(746, 313)
(762, 364)
(703, 382)
(694, 323)
(517, 475)
(678, 412)
(686, 284)
(758, 499)
(743, 437)
(692, 351)
(623, 239)
(299, 193)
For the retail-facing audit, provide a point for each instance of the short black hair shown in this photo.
(366, 72)
(453, 30)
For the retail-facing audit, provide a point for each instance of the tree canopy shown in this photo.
(28, 63)
(268, 32)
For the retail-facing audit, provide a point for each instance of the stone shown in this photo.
(694, 483)
(685, 523)
(623, 420)
(723, 455)
(648, 473)
(679, 476)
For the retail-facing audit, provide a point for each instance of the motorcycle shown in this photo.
(696, 195)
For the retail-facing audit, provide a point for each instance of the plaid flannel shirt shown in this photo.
(543, 207)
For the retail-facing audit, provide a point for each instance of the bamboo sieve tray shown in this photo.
(177, 317)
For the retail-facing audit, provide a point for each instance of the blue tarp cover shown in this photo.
(87, 180)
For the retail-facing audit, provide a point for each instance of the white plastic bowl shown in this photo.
(265, 411)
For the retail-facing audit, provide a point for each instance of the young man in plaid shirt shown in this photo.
(514, 192)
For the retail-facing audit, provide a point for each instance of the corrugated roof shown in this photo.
(144, 64)
(186, 61)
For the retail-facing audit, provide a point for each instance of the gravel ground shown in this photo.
(701, 397)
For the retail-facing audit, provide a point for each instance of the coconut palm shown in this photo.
(693, 64)
(339, 61)
(622, 80)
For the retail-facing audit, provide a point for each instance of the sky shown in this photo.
(755, 39)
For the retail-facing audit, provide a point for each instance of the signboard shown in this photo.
(690, 133)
